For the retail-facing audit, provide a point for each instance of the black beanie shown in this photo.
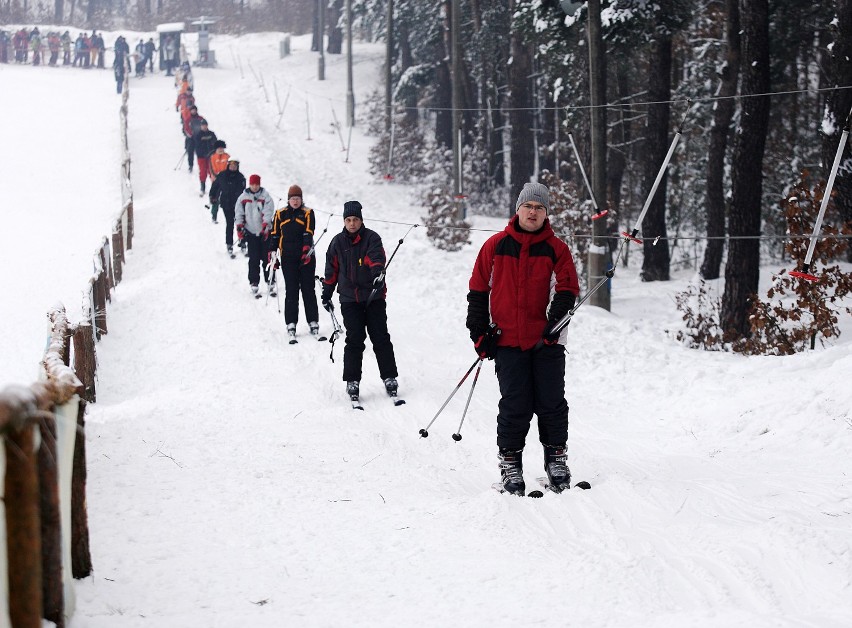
(352, 208)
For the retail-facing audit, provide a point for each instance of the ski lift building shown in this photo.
(170, 44)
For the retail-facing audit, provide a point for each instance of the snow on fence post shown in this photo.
(106, 267)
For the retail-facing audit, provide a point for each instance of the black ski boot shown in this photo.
(556, 466)
(391, 386)
(512, 472)
(353, 392)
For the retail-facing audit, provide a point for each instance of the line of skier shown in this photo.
(523, 284)
(282, 240)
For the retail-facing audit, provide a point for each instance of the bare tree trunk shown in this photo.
(520, 113)
(335, 32)
(742, 271)
(58, 11)
(655, 266)
(723, 113)
(838, 104)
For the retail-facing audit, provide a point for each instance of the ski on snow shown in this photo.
(498, 486)
(356, 403)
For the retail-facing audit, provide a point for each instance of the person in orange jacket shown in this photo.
(219, 159)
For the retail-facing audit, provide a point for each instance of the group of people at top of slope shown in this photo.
(524, 282)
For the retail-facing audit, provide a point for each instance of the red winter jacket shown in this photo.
(515, 274)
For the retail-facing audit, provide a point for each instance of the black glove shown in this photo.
(378, 281)
(327, 291)
(485, 344)
(549, 337)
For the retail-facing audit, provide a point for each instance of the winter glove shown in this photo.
(378, 281)
(241, 232)
(264, 230)
(327, 291)
(486, 344)
(271, 257)
(306, 256)
(550, 337)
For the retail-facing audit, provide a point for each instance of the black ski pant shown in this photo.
(229, 223)
(258, 257)
(189, 145)
(299, 278)
(531, 382)
(360, 321)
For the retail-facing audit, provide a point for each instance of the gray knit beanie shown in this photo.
(534, 192)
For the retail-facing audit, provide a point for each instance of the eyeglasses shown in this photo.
(535, 206)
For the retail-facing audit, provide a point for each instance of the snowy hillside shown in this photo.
(230, 484)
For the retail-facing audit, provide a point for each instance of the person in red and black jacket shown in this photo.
(355, 263)
(293, 235)
(524, 281)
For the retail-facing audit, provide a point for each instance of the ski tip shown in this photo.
(583, 485)
(399, 402)
(293, 342)
(322, 339)
(535, 494)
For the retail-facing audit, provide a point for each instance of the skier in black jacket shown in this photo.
(225, 191)
(293, 236)
(204, 141)
(355, 263)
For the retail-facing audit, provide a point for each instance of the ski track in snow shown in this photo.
(230, 483)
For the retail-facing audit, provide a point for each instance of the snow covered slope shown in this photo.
(231, 485)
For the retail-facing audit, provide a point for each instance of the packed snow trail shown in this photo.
(230, 483)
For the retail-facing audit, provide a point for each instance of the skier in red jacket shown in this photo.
(524, 281)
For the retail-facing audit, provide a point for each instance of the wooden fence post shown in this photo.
(117, 252)
(81, 557)
(22, 528)
(51, 525)
(106, 265)
(130, 225)
(101, 290)
(85, 360)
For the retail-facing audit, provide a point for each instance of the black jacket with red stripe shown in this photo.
(522, 282)
(352, 262)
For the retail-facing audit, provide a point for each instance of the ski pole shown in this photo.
(314, 245)
(381, 276)
(805, 273)
(583, 172)
(425, 431)
(337, 328)
(177, 165)
(625, 237)
(457, 436)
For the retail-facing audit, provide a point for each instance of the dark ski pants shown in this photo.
(360, 321)
(258, 251)
(299, 278)
(189, 145)
(229, 223)
(531, 382)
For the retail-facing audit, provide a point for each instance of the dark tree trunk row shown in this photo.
(742, 271)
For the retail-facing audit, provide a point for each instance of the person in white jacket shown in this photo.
(255, 210)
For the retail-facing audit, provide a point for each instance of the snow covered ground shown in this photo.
(231, 485)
